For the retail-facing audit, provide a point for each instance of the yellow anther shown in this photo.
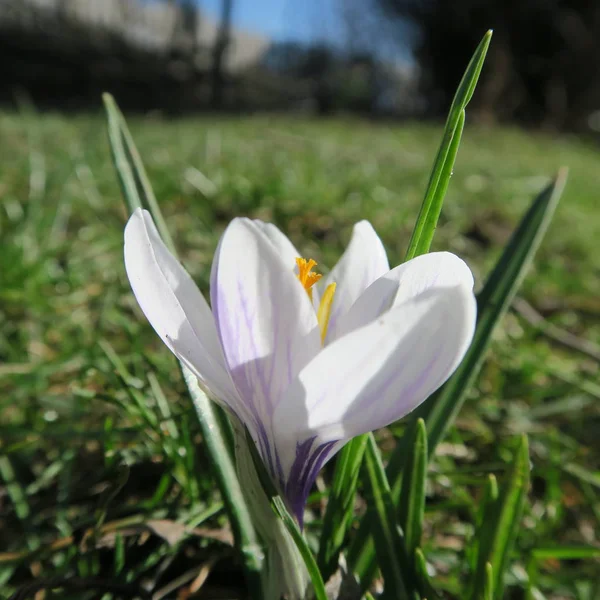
(307, 278)
(324, 311)
(305, 275)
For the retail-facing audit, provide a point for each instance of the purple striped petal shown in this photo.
(378, 373)
(310, 458)
(266, 323)
(175, 307)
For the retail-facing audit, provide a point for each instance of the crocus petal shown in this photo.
(407, 281)
(284, 247)
(175, 307)
(363, 261)
(377, 374)
(403, 290)
(266, 322)
(287, 252)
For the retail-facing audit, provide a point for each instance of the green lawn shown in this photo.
(101, 461)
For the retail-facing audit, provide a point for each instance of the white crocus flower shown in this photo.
(306, 368)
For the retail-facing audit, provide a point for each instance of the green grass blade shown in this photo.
(244, 534)
(340, 505)
(499, 531)
(412, 498)
(362, 553)
(430, 219)
(544, 553)
(441, 409)
(388, 539)
(14, 489)
(488, 588)
(120, 155)
(444, 160)
(565, 552)
(486, 505)
(305, 552)
(138, 192)
(134, 182)
(423, 579)
(119, 555)
(490, 496)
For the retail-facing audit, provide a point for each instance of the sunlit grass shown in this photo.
(96, 431)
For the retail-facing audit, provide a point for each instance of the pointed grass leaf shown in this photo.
(305, 552)
(241, 522)
(121, 158)
(14, 488)
(498, 532)
(424, 583)
(488, 588)
(340, 505)
(431, 217)
(135, 184)
(431, 207)
(492, 303)
(137, 192)
(440, 411)
(387, 535)
(362, 552)
(412, 497)
(485, 508)
(119, 554)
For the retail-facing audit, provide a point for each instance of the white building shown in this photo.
(149, 24)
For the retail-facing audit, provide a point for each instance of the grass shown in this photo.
(103, 479)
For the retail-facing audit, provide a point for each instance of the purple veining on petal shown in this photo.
(278, 474)
(309, 460)
(243, 366)
(267, 383)
(228, 328)
(424, 376)
(314, 465)
(406, 398)
(304, 471)
(253, 376)
(408, 395)
(241, 375)
(253, 373)
(302, 455)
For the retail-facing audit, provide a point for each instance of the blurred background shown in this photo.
(401, 58)
(313, 115)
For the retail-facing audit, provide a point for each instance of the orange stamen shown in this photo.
(305, 274)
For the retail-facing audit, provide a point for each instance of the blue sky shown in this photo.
(280, 19)
(306, 21)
